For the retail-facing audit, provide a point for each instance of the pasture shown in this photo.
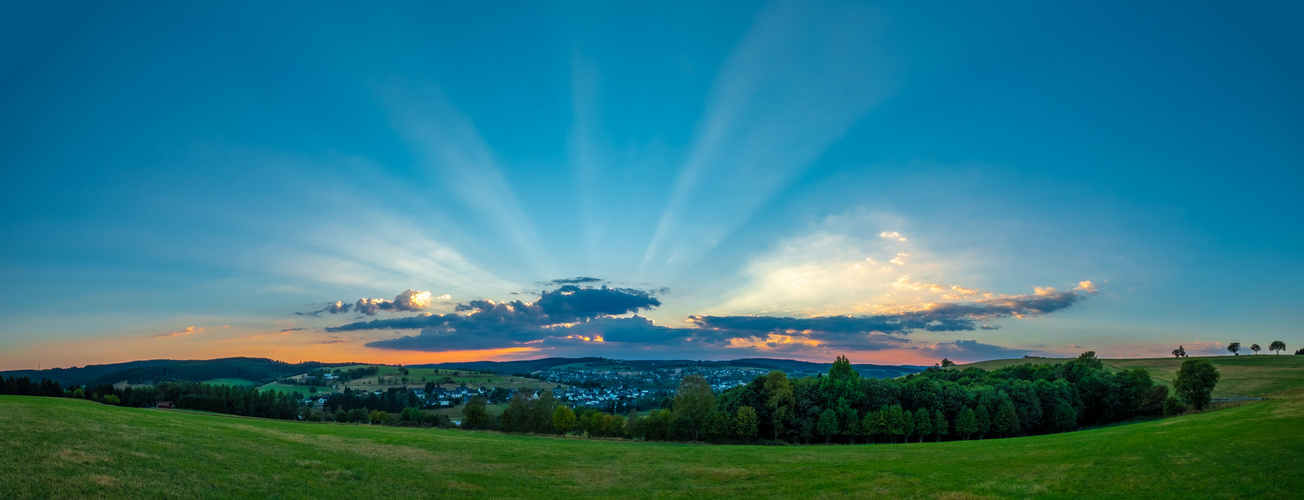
(65, 448)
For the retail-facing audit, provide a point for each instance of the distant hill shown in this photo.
(161, 370)
(785, 365)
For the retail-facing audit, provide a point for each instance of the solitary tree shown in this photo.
(1180, 352)
(1277, 346)
(1255, 348)
(1195, 382)
(1234, 348)
(947, 362)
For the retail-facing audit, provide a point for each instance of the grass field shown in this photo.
(1242, 376)
(65, 448)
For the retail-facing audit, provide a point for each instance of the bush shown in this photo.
(1174, 407)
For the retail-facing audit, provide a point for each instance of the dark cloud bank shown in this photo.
(572, 314)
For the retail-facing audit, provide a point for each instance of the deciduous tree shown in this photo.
(563, 419)
(746, 423)
(923, 423)
(1277, 346)
(966, 423)
(1234, 348)
(1195, 382)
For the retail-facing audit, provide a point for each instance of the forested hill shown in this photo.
(162, 370)
(591, 363)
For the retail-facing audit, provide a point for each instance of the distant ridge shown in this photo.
(786, 365)
(161, 370)
(268, 370)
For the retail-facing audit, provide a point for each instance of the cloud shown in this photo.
(937, 317)
(185, 331)
(972, 350)
(335, 308)
(189, 330)
(566, 304)
(409, 300)
(572, 281)
(288, 330)
(892, 235)
(571, 315)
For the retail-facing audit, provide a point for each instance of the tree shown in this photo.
(947, 362)
(1234, 348)
(1195, 382)
(474, 414)
(746, 424)
(923, 424)
(1007, 419)
(694, 403)
(984, 421)
(827, 425)
(940, 425)
(1277, 346)
(966, 423)
(853, 428)
(779, 399)
(1255, 348)
(1180, 352)
(563, 419)
(1065, 417)
(874, 425)
(896, 421)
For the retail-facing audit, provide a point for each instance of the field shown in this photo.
(415, 376)
(73, 448)
(1242, 376)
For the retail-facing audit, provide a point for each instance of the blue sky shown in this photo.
(181, 179)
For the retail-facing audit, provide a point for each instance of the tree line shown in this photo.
(230, 400)
(843, 407)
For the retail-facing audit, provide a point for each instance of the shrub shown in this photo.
(1174, 407)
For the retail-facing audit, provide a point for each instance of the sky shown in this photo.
(415, 182)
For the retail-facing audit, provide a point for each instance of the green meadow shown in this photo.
(63, 448)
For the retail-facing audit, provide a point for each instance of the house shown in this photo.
(166, 405)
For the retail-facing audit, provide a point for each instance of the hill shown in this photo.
(259, 370)
(1242, 376)
(74, 448)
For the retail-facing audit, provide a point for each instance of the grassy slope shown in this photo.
(72, 448)
(1241, 375)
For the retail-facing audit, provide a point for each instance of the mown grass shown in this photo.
(71, 448)
(1242, 376)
